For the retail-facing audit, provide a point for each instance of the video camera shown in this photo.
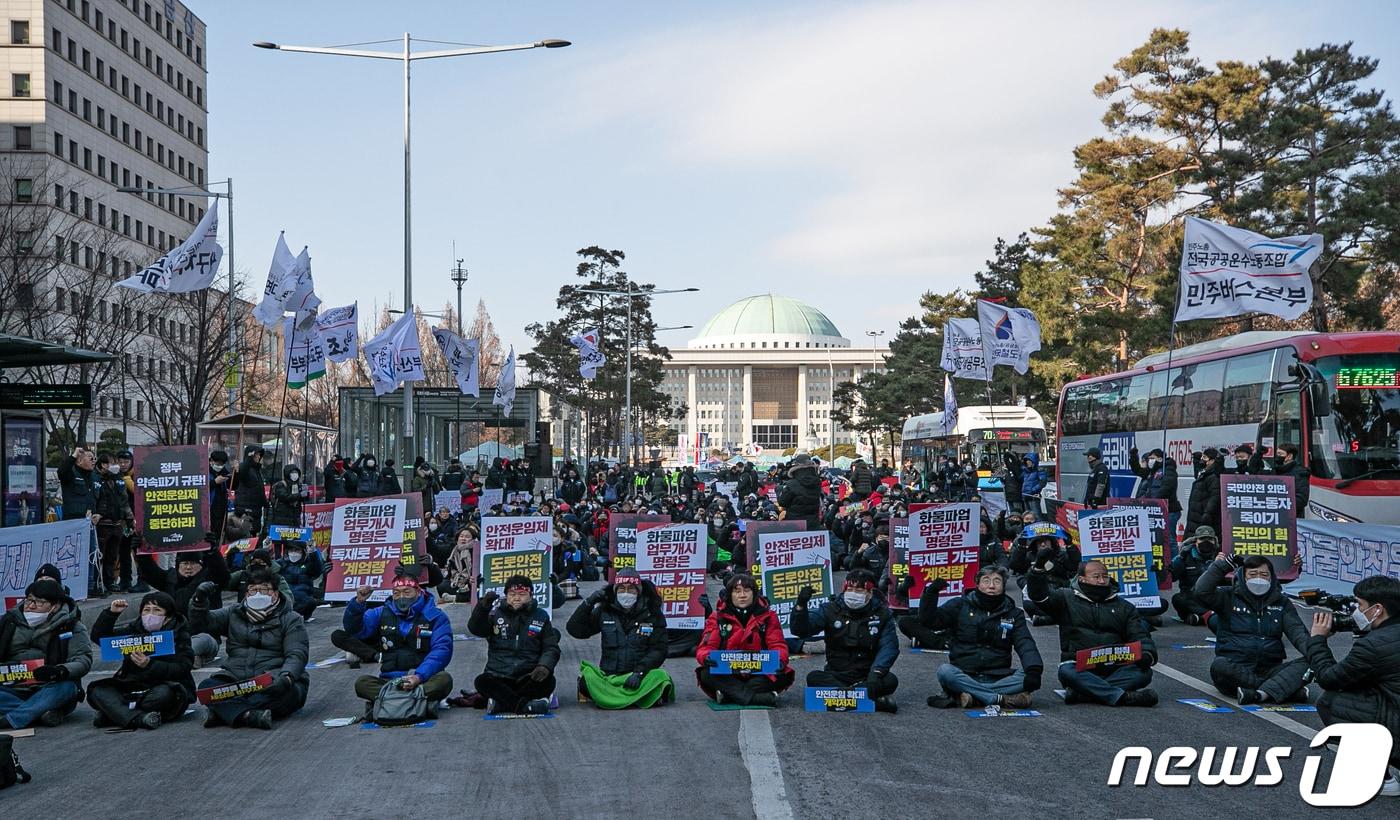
(1341, 607)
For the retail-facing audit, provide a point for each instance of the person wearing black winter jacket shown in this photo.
(862, 643)
(1096, 490)
(522, 649)
(800, 498)
(336, 481)
(985, 625)
(496, 476)
(218, 492)
(147, 690)
(249, 487)
(1252, 619)
(1203, 505)
(1049, 545)
(191, 570)
(628, 614)
(1197, 552)
(287, 498)
(114, 514)
(368, 478)
(1091, 615)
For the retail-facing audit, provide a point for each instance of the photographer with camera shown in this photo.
(1251, 618)
(1364, 687)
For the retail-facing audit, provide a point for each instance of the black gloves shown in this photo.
(489, 600)
(633, 682)
(541, 672)
(1044, 556)
(1033, 679)
(906, 584)
(1145, 662)
(51, 672)
(595, 598)
(804, 595)
(207, 592)
(281, 682)
(710, 663)
(936, 586)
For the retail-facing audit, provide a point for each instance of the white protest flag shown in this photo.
(303, 300)
(190, 266)
(340, 332)
(1010, 335)
(305, 354)
(505, 386)
(461, 360)
(279, 285)
(394, 356)
(1229, 271)
(590, 358)
(950, 406)
(963, 353)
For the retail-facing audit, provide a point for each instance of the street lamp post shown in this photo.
(235, 360)
(407, 56)
(631, 293)
(874, 339)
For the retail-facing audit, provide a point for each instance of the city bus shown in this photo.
(982, 433)
(1335, 396)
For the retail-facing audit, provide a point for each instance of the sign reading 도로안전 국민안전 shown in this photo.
(515, 545)
(1258, 517)
(944, 543)
(367, 542)
(1121, 539)
(790, 561)
(622, 539)
(172, 496)
(672, 558)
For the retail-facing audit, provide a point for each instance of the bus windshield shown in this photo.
(1362, 436)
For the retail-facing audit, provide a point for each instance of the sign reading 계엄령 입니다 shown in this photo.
(172, 496)
(672, 558)
(944, 542)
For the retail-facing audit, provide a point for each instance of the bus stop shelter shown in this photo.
(291, 441)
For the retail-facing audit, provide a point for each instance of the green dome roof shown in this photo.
(767, 315)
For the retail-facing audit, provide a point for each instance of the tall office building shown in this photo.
(103, 94)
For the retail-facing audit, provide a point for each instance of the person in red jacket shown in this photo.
(742, 621)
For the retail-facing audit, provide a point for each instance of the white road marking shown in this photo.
(1300, 729)
(760, 755)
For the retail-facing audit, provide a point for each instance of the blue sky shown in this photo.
(850, 154)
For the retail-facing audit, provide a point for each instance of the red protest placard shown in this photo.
(1099, 657)
(19, 671)
(672, 558)
(944, 542)
(228, 691)
(318, 517)
(369, 536)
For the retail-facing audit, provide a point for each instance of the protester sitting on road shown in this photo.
(411, 637)
(1044, 538)
(45, 626)
(1197, 553)
(147, 690)
(861, 642)
(627, 613)
(985, 625)
(191, 570)
(522, 649)
(1364, 687)
(301, 567)
(257, 559)
(264, 636)
(1090, 615)
(1252, 617)
(743, 621)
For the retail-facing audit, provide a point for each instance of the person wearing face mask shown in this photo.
(45, 626)
(1363, 687)
(264, 637)
(1203, 505)
(1251, 618)
(425, 483)
(288, 495)
(1158, 481)
(258, 559)
(218, 493)
(627, 613)
(337, 481)
(191, 570)
(1197, 553)
(862, 643)
(249, 487)
(114, 520)
(1090, 614)
(410, 635)
(874, 555)
(522, 649)
(147, 690)
(461, 564)
(743, 621)
(368, 479)
(985, 625)
(301, 567)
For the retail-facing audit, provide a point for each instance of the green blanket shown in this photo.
(606, 690)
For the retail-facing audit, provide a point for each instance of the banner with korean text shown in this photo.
(790, 561)
(672, 558)
(944, 543)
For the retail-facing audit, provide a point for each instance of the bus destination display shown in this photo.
(1374, 377)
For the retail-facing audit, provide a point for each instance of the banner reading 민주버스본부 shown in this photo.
(515, 545)
(944, 543)
(672, 558)
(790, 561)
(172, 496)
(1121, 539)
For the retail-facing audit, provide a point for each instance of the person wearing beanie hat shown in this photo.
(628, 614)
(46, 626)
(260, 558)
(190, 571)
(1190, 563)
(800, 497)
(1203, 504)
(861, 641)
(248, 486)
(410, 635)
(1096, 489)
(522, 649)
(159, 686)
(742, 621)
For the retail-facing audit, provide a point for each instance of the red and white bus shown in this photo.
(1336, 396)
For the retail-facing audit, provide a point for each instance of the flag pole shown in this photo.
(286, 377)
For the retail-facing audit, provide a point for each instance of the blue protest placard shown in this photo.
(1205, 705)
(998, 712)
(834, 699)
(1279, 707)
(734, 661)
(155, 644)
(279, 532)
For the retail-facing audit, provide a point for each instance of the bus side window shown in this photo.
(1247, 387)
(1288, 420)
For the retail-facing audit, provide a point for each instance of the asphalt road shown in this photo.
(683, 760)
